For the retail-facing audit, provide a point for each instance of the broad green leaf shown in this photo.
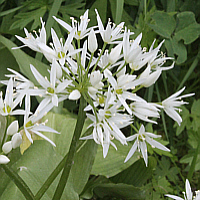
(86, 151)
(34, 167)
(164, 24)
(120, 190)
(187, 29)
(82, 165)
(175, 47)
(114, 161)
(6, 61)
(25, 60)
(137, 174)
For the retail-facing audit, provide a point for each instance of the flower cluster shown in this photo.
(107, 79)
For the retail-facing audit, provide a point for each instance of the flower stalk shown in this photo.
(72, 150)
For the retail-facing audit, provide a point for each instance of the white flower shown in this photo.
(92, 41)
(141, 138)
(7, 147)
(52, 89)
(8, 104)
(74, 95)
(4, 159)
(95, 80)
(32, 124)
(110, 34)
(188, 195)
(143, 110)
(124, 82)
(106, 126)
(171, 104)
(81, 30)
(31, 41)
(13, 128)
(59, 52)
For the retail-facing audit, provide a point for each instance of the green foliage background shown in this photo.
(175, 21)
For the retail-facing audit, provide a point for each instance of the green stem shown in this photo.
(102, 51)
(50, 179)
(23, 187)
(72, 150)
(194, 160)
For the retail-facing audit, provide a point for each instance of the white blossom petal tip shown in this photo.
(4, 159)
(74, 95)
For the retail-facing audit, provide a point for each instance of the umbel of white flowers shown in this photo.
(105, 78)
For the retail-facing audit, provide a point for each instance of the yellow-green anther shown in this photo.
(50, 90)
(8, 109)
(61, 55)
(29, 124)
(101, 100)
(141, 138)
(108, 114)
(119, 91)
(79, 33)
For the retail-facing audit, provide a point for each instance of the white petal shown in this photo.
(7, 147)
(4, 159)
(188, 190)
(92, 41)
(16, 140)
(132, 151)
(174, 197)
(74, 95)
(13, 128)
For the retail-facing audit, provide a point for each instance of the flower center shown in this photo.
(107, 114)
(8, 109)
(141, 138)
(119, 91)
(50, 90)
(29, 124)
(101, 100)
(61, 55)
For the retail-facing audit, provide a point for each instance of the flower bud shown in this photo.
(74, 95)
(4, 159)
(12, 128)
(16, 140)
(115, 53)
(7, 147)
(92, 41)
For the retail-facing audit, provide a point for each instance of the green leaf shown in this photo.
(32, 167)
(7, 12)
(164, 24)
(25, 60)
(176, 49)
(114, 161)
(120, 190)
(187, 29)
(6, 61)
(26, 18)
(86, 152)
(119, 11)
(137, 174)
(185, 123)
(101, 6)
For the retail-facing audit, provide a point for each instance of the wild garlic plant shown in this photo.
(105, 80)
